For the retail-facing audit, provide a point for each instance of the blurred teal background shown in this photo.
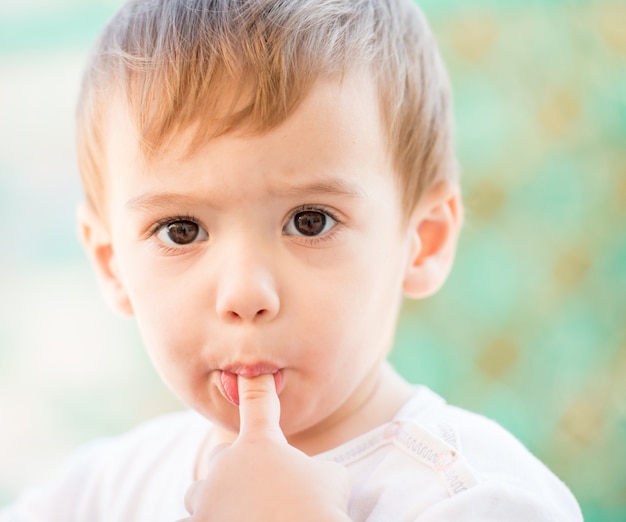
(529, 330)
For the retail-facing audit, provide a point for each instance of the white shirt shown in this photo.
(433, 462)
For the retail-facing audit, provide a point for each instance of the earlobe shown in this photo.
(433, 230)
(97, 243)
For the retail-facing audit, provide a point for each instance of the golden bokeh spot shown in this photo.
(558, 112)
(485, 199)
(582, 421)
(473, 35)
(571, 267)
(498, 356)
(611, 22)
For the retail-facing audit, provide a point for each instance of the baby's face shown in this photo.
(282, 252)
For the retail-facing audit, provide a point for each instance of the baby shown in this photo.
(265, 180)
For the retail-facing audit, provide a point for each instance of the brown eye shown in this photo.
(181, 232)
(309, 222)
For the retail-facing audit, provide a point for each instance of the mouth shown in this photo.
(229, 375)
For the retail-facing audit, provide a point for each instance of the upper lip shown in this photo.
(251, 370)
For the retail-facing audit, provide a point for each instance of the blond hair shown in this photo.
(213, 66)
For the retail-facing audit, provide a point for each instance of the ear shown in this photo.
(434, 229)
(96, 240)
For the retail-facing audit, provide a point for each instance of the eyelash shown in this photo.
(158, 225)
(312, 241)
(316, 240)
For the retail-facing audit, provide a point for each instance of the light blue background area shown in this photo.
(530, 329)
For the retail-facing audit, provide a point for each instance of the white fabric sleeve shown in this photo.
(61, 500)
(494, 502)
(139, 476)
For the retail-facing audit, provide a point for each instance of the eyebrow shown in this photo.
(335, 187)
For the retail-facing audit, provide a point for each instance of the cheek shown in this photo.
(354, 312)
(172, 335)
(168, 313)
(174, 342)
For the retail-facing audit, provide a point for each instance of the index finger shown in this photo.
(259, 407)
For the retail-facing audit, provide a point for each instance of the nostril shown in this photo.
(232, 314)
(247, 300)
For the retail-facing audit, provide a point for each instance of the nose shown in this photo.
(247, 290)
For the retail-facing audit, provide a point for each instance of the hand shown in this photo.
(261, 477)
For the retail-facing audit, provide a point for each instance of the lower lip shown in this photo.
(230, 389)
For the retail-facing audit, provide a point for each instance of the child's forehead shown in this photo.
(345, 103)
(322, 149)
